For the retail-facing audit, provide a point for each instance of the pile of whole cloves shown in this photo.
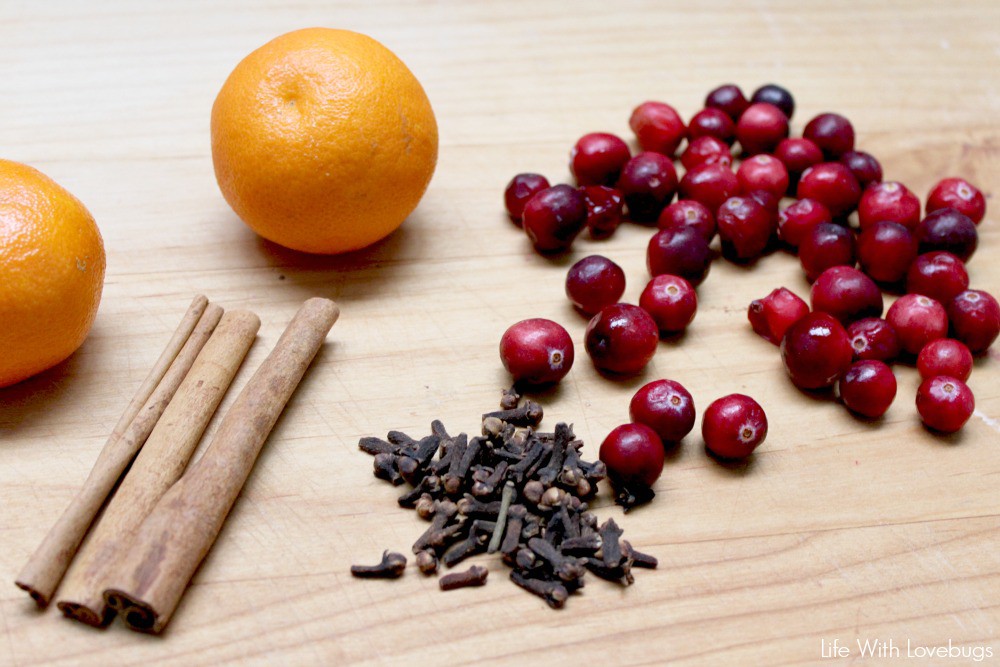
(513, 490)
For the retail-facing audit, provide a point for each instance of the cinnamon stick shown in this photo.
(157, 466)
(182, 527)
(43, 572)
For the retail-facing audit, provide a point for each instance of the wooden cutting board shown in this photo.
(836, 530)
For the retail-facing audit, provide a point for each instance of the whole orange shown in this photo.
(323, 141)
(51, 272)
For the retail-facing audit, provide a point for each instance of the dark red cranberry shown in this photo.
(621, 339)
(797, 155)
(947, 229)
(633, 454)
(553, 218)
(945, 403)
(671, 301)
(763, 172)
(729, 99)
(593, 283)
(886, 250)
(816, 351)
(679, 251)
(648, 183)
(664, 406)
(709, 184)
(975, 319)
(769, 201)
(733, 426)
(864, 166)
(536, 351)
(598, 158)
(827, 245)
(873, 338)
(771, 316)
(831, 184)
(959, 194)
(520, 189)
(847, 294)
(939, 275)
(706, 150)
(605, 210)
(761, 128)
(772, 93)
(917, 320)
(945, 356)
(868, 388)
(744, 227)
(833, 133)
(712, 123)
(889, 201)
(796, 221)
(658, 127)
(688, 213)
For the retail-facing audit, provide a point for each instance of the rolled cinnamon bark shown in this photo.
(182, 527)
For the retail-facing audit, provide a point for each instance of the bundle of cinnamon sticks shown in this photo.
(159, 524)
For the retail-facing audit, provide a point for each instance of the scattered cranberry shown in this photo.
(671, 301)
(889, 201)
(621, 338)
(706, 150)
(918, 320)
(536, 351)
(712, 123)
(729, 99)
(658, 127)
(797, 155)
(520, 189)
(816, 351)
(709, 184)
(960, 195)
(833, 133)
(553, 218)
(945, 403)
(868, 388)
(633, 454)
(847, 294)
(648, 183)
(939, 275)
(945, 356)
(598, 158)
(688, 213)
(605, 210)
(664, 406)
(873, 338)
(975, 319)
(827, 245)
(733, 426)
(947, 229)
(831, 184)
(744, 227)
(679, 251)
(763, 172)
(774, 94)
(771, 316)
(796, 221)
(885, 250)
(761, 128)
(864, 166)
(593, 283)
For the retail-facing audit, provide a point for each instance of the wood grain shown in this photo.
(837, 529)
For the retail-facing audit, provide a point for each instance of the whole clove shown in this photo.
(427, 562)
(528, 414)
(474, 576)
(391, 567)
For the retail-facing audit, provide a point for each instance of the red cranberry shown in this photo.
(816, 351)
(605, 210)
(536, 351)
(593, 283)
(658, 127)
(873, 338)
(706, 150)
(975, 319)
(889, 201)
(769, 201)
(827, 245)
(729, 99)
(709, 184)
(671, 301)
(947, 229)
(763, 172)
(864, 166)
(688, 213)
(761, 128)
(553, 218)
(797, 155)
(664, 406)
(744, 227)
(886, 250)
(831, 184)
(868, 388)
(679, 251)
(712, 123)
(945, 356)
(939, 275)
(833, 133)
(621, 339)
(648, 183)
(633, 453)
(796, 221)
(598, 158)
(520, 189)
(918, 320)
(945, 403)
(771, 316)
(847, 294)
(733, 426)
(772, 93)
(960, 195)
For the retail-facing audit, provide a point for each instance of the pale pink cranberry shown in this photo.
(688, 213)
(831, 184)
(796, 221)
(763, 172)
(664, 406)
(733, 426)
(833, 133)
(867, 388)
(621, 339)
(939, 275)
(658, 127)
(960, 195)
(554, 217)
(761, 128)
(709, 184)
(680, 251)
(873, 338)
(520, 189)
(917, 320)
(948, 230)
(605, 210)
(816, 351)
(712, 123)
(847, 294)
(706, 150)
(671, 301)
(945, 356)
(826, 245)
(771, 316)
(536, 351)
(797, 155)
(945, 403)
(886, 250)
(648, 182)
(593, 283)
(889, 201)
(864, 166)
(975, 319)
(729, 99)
(744, 226)
(598, 158)
(772, 93)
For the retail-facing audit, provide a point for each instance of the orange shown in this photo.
(51, 272)
(323, 140)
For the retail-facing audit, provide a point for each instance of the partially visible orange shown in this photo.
(51, 272)
(323, 140)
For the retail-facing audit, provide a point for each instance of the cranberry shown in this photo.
(772, 93)
(889, 201)
(605, 210)
(825, 246)
(688, 213)
(658, 127)
(709, 184)
(536, 351)
(593, 283)
(796, 221)
(816, 351)
(633, 453)
(520, 189)
(864, 166)
(679, 251)
(797, 155)
(761, 128)
(664, 406)
(831, 184)
(745, 227)
(947, 229)
(868, 388)
(671, 301)
(975, 319)
(598, 158)
(733, 426)
(648, 183)
(945, 403)
(729, 99)
(939, 275)
(873, 338)
(763, 172)
(847, 294)
(706, 150)
(621, 339)
(771, 316)
(553, 218)
(918, 320)
(886, 250)
(945, 356)
(833, 133)
(769, 201)
(960, 195)
(712, 123)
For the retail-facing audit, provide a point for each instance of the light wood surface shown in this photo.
(837, 528)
